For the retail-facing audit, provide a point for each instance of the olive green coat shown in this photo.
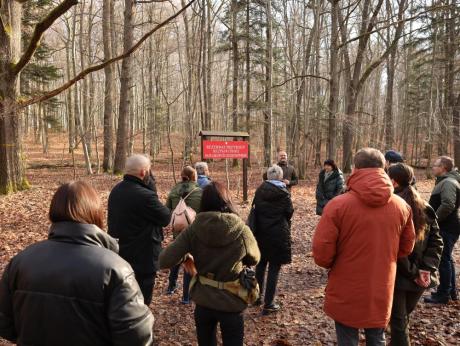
(221, 245)
(181, 190)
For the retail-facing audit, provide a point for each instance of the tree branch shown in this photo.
(392, 46)
(39, 30)
(100, 66)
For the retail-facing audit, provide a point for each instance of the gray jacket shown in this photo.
(445, 200)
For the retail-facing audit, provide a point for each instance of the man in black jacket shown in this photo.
(445, 200)
(137, 217)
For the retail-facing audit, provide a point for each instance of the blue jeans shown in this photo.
(348, 336)
(447, 265)
(173, 275)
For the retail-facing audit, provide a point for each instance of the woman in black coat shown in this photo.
(330, 184)
(272, 208)
(73, 289)
(418, 271)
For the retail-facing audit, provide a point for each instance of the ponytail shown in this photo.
(404, 175)
(418, 206)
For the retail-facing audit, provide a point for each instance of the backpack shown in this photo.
(183, 215)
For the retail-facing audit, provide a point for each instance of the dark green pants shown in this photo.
(404, 302)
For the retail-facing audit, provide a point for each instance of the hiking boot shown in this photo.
(454, 295)
(269, 309)
(171, 289)
(436, 299)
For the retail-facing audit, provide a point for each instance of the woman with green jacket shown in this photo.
(418, 271)
(188, 188)
(221, 245)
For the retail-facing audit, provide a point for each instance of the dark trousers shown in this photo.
(174, 274)
(231, 327)
(404, 302)
(447, 265)
(348, 336)
(272, 279)
(146, 283)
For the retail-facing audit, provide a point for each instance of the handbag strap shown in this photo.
(190, 193)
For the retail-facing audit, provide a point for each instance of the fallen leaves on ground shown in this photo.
(23, 221)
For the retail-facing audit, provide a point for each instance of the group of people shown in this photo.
(380, 242)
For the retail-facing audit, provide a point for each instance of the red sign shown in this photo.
(225, 149)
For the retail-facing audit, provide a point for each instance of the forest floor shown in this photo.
(23, 221)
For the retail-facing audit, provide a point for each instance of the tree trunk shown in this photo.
(235, 74)
(456, 131)
(12, 176)
(109, 88)
(389, 134)
(125, 85)
(333, 83)
(268, 111)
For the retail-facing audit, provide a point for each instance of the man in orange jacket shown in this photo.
(359, 238)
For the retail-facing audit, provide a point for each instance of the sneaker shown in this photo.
(268, 309)
(185, 301)
(436, 299)
(171, 290)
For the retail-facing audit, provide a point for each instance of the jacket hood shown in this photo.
(83, 234)
(270, 192)
(371, 185)
(454, 174)
(216, 229)
(334, 174)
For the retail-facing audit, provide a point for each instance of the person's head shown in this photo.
(188, 174)
(369, 158)
(202, 168)
(77, 202)
(392, 157)
(215, 197)
(282, 157)
(402, 176)
(329, 165)
(443, 165)
(138, 165)
(275, 172)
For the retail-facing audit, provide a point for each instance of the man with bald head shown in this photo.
(289, 173)
(136, 217)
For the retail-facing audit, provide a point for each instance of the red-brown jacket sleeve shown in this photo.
(407, 239)
(325, 238)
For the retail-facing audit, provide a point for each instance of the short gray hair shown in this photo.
(201, 167)
(275, 172)
(136, 163)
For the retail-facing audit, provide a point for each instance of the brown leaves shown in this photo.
(23, 221)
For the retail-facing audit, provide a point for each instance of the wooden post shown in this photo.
(245, 176)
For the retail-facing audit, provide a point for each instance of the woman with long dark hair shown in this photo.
(418, 271)
(221, 245)
(73, 289)
(330, 184)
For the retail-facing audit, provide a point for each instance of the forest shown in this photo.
(318, 79)
(84, 84)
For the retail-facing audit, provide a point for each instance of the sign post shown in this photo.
(231, 149)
